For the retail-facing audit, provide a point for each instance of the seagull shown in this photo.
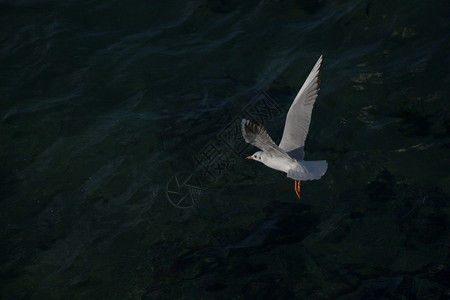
(288, 156)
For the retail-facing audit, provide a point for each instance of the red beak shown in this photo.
(249, 157)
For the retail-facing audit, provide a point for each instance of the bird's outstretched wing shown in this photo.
(256, 135)
(299, 114)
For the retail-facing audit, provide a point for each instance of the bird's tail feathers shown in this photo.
(308, 170)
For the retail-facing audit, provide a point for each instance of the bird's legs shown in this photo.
(297, 188)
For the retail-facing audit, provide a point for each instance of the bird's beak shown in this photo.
(249, 157)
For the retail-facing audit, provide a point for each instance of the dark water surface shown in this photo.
(105, 104)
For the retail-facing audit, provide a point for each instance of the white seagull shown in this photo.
(288, 156)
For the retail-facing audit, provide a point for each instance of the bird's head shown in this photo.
(258, 156)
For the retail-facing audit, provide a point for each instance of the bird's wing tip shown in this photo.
(244, 121)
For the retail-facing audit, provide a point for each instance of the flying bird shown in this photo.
(288, 156)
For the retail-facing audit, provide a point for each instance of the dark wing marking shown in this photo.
(256, 135)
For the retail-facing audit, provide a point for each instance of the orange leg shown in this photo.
(297, 188)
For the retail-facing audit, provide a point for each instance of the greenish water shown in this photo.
(105, 104)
